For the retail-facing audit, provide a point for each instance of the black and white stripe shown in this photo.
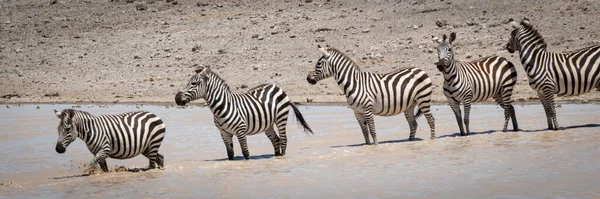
(476, 81)
(563, 74)
(261, 109)
(121, 136)
(372, 94)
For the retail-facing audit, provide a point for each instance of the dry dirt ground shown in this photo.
(81, 51)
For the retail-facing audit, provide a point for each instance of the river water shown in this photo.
(332, 163)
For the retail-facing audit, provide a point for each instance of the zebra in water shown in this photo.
(121, 136)
(564, 74)
(476, 81)
(262, 109)
(372, 94)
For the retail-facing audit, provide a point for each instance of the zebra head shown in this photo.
(513, 43)
(195, 88)
(66, 130)
(445, 54)
(322, 68)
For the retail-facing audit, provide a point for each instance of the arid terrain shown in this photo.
(88, 51)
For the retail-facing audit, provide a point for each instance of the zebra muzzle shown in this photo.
(179, 99)
(310, 80)
(60, 148)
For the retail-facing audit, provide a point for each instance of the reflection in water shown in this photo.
(333, 163)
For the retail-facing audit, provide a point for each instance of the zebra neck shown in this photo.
(347, 77)
(530, 55)
(83, 125)
(218, 98)
(452, 72)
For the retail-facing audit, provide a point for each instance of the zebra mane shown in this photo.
(218, 78)
(335, 50)
(540, 40)
(72, 113)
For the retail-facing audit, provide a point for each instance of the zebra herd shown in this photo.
(265, 108)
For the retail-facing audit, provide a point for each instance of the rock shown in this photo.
(255, 36)
(244, 86)
(366, 31)
(141, 7)
(320, 39)
(308, 1)
(196, 48)
(472, 24)
(292, 36)
(260, 38)
(52, 95)
(8, 96)
(202, 4)
(221, 51)
(441, 23)
(52, 2)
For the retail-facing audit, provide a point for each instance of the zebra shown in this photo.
(564, 74)
(370, 94)
(476, 81)
(120, 136)
(262, 109)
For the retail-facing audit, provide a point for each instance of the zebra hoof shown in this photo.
(278, 154)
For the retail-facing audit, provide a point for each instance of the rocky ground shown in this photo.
(80, 51)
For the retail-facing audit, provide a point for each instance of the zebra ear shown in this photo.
(435, 39)
(58, 114)
(452, 37)
(514, 24)
(525, 21)
(325, 53)
(444, 37)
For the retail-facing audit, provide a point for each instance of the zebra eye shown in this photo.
(68, 129)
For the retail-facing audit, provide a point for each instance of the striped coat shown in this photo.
(370, 94)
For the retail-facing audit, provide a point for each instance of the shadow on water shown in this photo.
(254, 157)
(565, 128)
(472, 133)
(382, 142)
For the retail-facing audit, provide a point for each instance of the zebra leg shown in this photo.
(548, 103)
(274, 140)
(160, 160)
(103, 165)
(228, 140)
(363, 126)
(455, 106)
(506, 108)
(282, 135)
(371, 126)
(467, 105)
(425, 108)
(241, 135)
(513, 115)
(412, 122)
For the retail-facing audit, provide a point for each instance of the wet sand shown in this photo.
(332, 163)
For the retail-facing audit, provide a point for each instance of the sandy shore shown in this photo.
(83, 51)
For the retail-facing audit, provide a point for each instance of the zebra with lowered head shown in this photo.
(120, 136)
(372, 94)
(476, 81)
(262, 109)
(563, 74)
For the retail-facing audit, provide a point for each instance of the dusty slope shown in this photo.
(103, 51)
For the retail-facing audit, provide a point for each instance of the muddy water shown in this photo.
(331, 163)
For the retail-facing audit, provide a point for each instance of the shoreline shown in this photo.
(331, 103)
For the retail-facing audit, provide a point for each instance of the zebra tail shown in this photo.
(300, 118)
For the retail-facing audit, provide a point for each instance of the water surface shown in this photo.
(332, 163)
